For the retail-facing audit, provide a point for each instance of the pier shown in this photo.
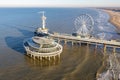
(69, 38)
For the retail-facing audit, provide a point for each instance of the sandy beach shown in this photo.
(114, 18)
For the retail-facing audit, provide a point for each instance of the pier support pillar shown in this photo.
(59, 56)
(96, 46)
(33, 57)
(58, 40)
(114, 49)
(65, 41)
(80, 43)
(87, 44)
(40, 58)
(104, 49)
(49, 58)
(54, 57)
(72, 43)
(29, 55)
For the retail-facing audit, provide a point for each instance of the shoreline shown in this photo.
(114, 18)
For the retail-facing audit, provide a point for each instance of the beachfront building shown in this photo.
(41, 47)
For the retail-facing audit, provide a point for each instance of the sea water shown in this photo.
(76, 62)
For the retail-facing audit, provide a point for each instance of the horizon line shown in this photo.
(59, 6)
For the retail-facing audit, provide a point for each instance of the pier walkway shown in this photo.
(70, 38)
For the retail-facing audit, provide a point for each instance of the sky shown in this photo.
(59, 3)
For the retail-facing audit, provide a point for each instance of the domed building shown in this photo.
(41, 47)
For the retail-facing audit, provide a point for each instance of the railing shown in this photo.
(44, 50)
(35, 53)
(93, 40)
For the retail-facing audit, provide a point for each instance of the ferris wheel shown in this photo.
(84, 24)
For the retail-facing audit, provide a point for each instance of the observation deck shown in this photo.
(40, 47)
